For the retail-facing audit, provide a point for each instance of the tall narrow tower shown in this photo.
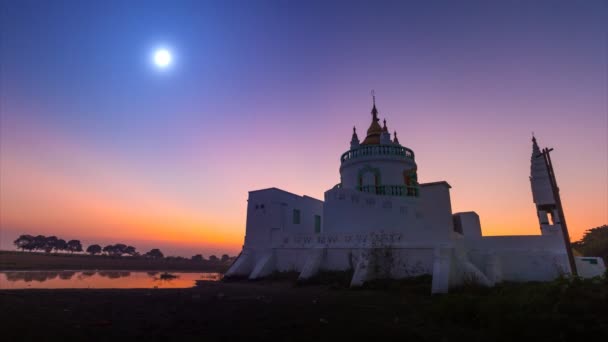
(542, 193)
(548, 202)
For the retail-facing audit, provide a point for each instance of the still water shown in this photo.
(100, 279)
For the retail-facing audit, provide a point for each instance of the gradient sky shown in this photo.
(99, 145)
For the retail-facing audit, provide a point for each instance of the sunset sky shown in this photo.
(100, 145)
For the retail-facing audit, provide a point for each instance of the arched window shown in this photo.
(410, 180)
(369, 179)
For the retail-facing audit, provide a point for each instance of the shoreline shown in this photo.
(112, 270)
(32, 261)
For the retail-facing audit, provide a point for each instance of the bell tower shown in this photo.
(545, 193)
(542, 193)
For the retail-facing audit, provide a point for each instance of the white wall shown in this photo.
(469, 221)
(391, 169)
(270, 212)
(436, 208)
(424, 218)
(520, 258)
(347, 210)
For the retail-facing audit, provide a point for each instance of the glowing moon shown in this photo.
(162, 58)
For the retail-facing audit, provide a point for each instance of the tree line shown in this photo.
(594, 243)
(49, 244)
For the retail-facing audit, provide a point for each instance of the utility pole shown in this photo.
(560, 209)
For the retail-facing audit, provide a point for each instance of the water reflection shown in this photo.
(31, 276)
(101, 279)
(114, 274)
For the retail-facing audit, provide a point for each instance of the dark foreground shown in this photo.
(281, 311)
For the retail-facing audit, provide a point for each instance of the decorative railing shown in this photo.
(390, 190)
(378, 150)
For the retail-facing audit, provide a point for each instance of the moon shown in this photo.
(162, 58)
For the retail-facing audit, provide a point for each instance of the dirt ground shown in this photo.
(281, 311)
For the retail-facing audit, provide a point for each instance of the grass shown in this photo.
(280, 308)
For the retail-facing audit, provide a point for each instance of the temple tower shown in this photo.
(542, 193)
(379, 165)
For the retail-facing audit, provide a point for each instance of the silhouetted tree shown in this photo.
(115, 250)
(39, 242)
(60, 245)
(594, 243)
(213, 258)
(225, 258)
(108, 249)
(49, 243)
(197, 258)
(74, 246)
(94, 249)
(154, 254)
(130, 250)
(25, 242)
(120, 248)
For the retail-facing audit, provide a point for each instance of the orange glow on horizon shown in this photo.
(77, 192)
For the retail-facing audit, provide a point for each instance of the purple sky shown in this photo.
(97, 144)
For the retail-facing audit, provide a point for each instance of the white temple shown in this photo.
(380, 222)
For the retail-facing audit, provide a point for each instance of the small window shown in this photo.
(296, 216)
(317, 224)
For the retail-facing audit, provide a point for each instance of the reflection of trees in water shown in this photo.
(165, 277)
(66, 275)
(152, 274)
(114, 274)
(86, 274)
(39, 276)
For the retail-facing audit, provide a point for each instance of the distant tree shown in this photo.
(108, 249)
(130, 250)
(25, 242)
(213, 258)
(39, 242)
(225, 258)
(197, 258)
(49, 243)
(60, 245)
(594, 243)
(94, 249)
(115, 250)
(154, 254)
(74, 246)
(120, 248)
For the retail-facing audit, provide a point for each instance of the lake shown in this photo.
(98, 279)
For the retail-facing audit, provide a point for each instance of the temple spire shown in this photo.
(374, 130)
(535, 149)
(354, 141)
(395, 140)
(375, 111)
